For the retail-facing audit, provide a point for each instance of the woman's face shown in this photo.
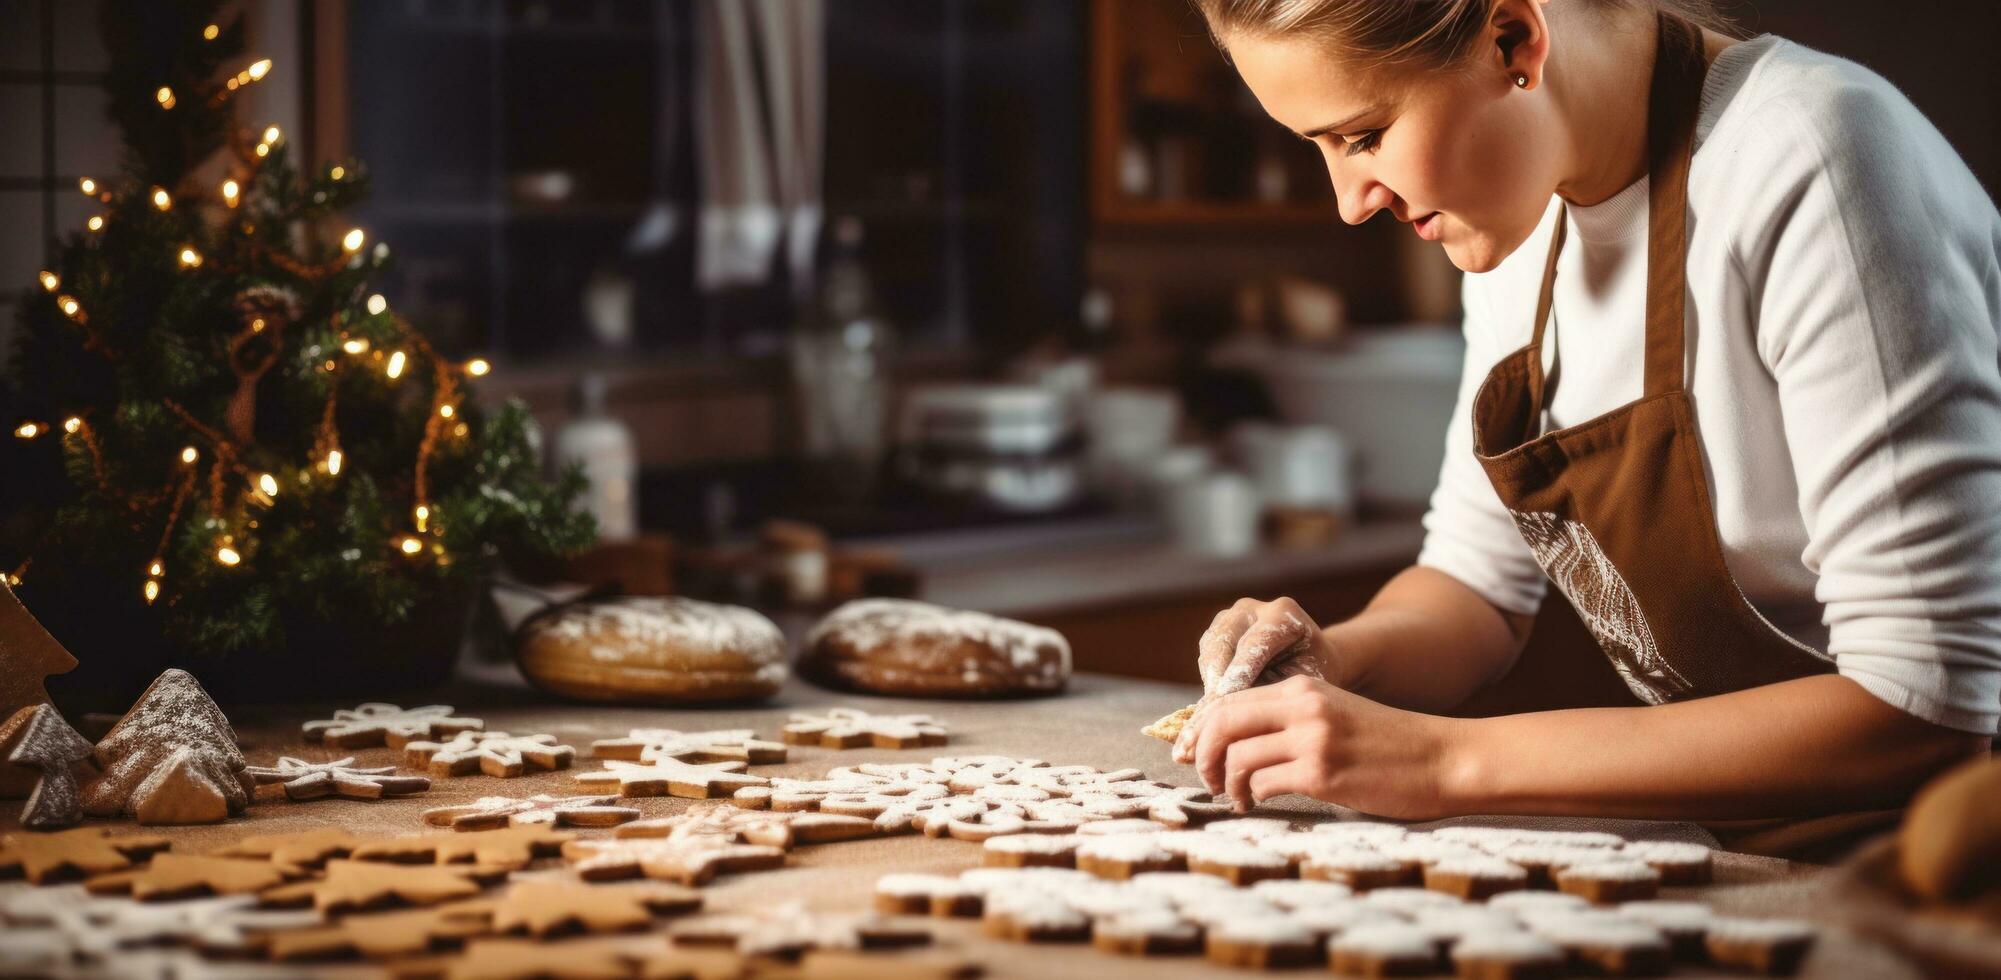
(1463, 155)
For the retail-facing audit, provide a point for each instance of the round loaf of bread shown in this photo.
(916, 649)
(646, 649)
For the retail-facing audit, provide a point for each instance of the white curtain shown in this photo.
(760, 125)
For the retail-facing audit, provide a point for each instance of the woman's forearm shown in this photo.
(1426, 642)
(1813, 745)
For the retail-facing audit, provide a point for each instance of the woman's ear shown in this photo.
(1518, 35)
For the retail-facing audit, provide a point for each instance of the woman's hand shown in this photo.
(1249, 642)
(1304, 735)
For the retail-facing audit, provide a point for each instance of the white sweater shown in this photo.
(1844, 297)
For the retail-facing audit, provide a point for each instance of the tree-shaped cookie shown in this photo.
(297, 779)
(489, 812)
(847, 728)
(172, 759)
(551, 907)
(28, 655)
(494, 753)
(672, 777)
(75, 853)
(376, 723)
(684, 860)
(647, 744)
(46, 743)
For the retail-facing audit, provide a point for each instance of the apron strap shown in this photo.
(1676, 96)
(1672, 103)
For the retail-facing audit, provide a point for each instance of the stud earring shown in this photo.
(1521, 80)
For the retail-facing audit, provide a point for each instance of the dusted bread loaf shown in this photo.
(916, 649)
(653, 650)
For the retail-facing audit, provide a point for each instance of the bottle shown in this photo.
(841, 358)
(602, 446)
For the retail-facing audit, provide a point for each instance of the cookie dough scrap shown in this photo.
(1168, 727)
(496, 754)
(377, 723)
(648, 744)
(847, 728)
(490, 812)
(296, 779)
(43, 858)
(672, 777)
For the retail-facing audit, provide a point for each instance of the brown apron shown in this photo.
(1617, 510)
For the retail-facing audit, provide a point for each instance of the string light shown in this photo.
(353, 240)
(166, 97)
(263, 149)
(356, 345)
(70, 307)
(257, 71)
(190, 258)
(423, 515)
(445, 411)
(96, 222)
(333, 462)
(271, 133)
(156, 569)
(411, 545)
(227, 555)
(50, 280)
(211, 32)
(87, 185)
(337, 172)
(268, 484)
(377, 305)
(72, 424)
(28, 430)
(230, 190)
(152, 590)
(257, 325)
(478, 367)
(161, 199)
(189, 455)
(395, 368)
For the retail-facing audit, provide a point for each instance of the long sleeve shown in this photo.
(1874, 296)
(1468, 533)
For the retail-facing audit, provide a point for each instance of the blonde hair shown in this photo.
(1431, 34)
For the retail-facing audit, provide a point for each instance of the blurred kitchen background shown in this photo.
(1017, 305)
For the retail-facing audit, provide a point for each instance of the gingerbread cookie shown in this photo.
(1033, 851)
(489, 812)
(44, 743)
(1475, 878)
(1771, 946)
(775, 829)
(544, 908)
(787, 931)
(1033, 917)
(672, 777)
(1678, 864)
(1610, 947)
(1382, 950)
(1355, 867)
(1260, 943)
(43, 858)
(647, 744)
(171, 760)
(297, 779)
(1237, 862)
(1168, 727)
(497, 754)
(505, 847)
(683, 860)
(376, 723)
(1685, 924)
(298, 852)
(1609, 882)
(170, 876)
(384, 935)
(1121, 857)
(926, 894)
(904, 648)
(28, 655)
(846, 728)
(1146, 933)
(350, 886)
(1511, 955)
(647, 649)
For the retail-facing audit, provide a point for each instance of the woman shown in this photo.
(1748, 419)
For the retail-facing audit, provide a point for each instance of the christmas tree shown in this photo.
(222, 432)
